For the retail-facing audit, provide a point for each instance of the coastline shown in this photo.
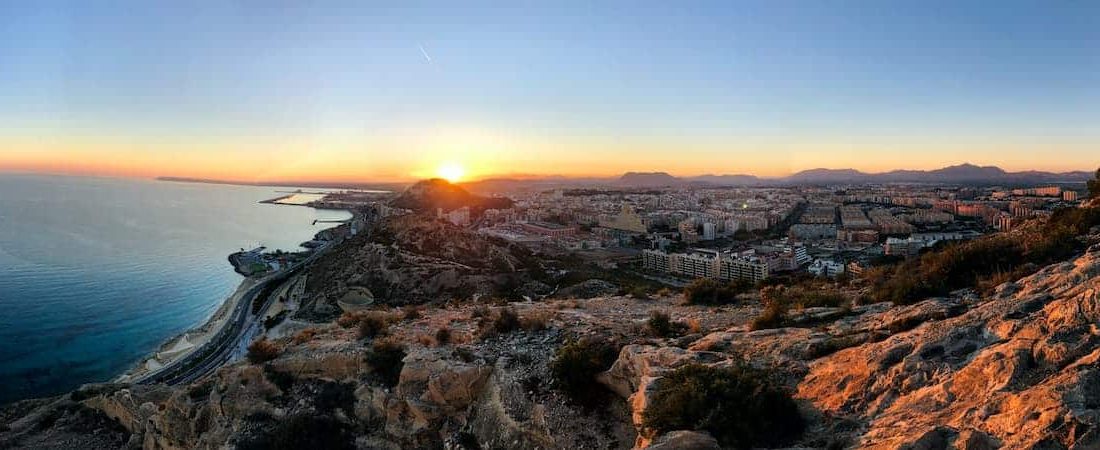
(183, 345)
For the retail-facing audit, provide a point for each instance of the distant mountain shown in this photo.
(430, 195)
(730, 180)
(650, 179)
(958, 174)
(814, 176)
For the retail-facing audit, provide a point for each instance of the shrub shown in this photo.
(740, 406)
(661, 325)
(774, 314)
(305, 335)
(443, 336)
(694, 326)
(576, 364)
(638, 293)
(373, 324)
(283, 380)
(412, 313)
(262, 351)
(705, 291)
(481, 311)
(507, 321)
(385, 359)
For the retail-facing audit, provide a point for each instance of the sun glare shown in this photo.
(451, 172)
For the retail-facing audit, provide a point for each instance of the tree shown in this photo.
(1094, 186)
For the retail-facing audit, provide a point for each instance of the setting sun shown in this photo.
(451, 172)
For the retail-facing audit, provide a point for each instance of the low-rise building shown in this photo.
(825, 268)
(549, 229)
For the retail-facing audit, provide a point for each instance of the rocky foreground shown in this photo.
(1016, 369)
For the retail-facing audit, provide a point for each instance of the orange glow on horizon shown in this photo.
(465, 155)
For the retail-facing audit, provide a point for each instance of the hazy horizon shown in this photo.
(342, 92)
(519, 177)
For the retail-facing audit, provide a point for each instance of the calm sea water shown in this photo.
(95, 273)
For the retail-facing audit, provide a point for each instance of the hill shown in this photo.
(649, 179)
(430, 195)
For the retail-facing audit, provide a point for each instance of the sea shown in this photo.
(96, 273)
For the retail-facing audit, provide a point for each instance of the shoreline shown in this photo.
(182, 345)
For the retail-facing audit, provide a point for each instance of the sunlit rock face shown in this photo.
(1016, 371)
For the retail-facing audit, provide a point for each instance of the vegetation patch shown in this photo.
(576, 364)
(661, 325)
(740, 406)
(705, 291)
(303, 431)
(385, 359)
(985, 261)
(263, 350)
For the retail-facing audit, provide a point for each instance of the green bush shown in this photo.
(443, 335)
(740, 406)
(373, 324)
(773, 316)
(661, 325)
(576, 365)
(705, 291)
(385, 359)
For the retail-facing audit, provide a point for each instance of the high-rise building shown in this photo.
(709, 231)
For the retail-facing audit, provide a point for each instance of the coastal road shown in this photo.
(221, 348)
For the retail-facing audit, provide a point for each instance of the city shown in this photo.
(564, 225)
(734, 233)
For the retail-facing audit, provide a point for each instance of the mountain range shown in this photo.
(958, 174)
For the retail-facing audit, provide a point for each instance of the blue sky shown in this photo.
(704, 80)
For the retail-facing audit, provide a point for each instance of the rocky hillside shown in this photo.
(428, 196)
(414, 259)
(1014, 369)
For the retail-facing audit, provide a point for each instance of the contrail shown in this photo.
(425, 53)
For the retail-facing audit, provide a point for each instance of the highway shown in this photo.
(221, 349)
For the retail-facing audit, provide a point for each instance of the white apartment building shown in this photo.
(706, 264)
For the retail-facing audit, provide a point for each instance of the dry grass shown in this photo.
(694, 326)
(373, 324)
(305, 335)
(262, 351)
(412, 313)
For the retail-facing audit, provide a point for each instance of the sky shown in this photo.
(369, 91)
